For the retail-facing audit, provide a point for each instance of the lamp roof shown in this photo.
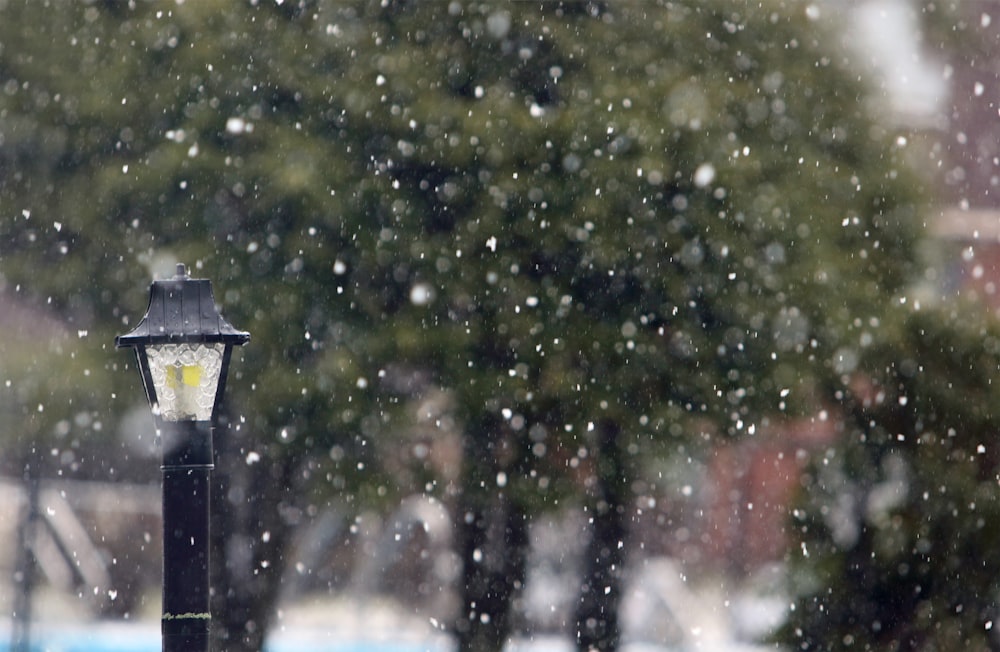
(182, 309)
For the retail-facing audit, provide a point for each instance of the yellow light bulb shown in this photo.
(179, 375)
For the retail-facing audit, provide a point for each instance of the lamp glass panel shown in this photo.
(186, 378)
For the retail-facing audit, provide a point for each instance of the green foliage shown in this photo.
(653, 214)
(898, 529)
(588, 222)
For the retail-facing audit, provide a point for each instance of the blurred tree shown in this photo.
(591, 223)
(897, 526)
(897, 529)
(605, 238)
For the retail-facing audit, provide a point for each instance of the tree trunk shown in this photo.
(493, 541)
(597, 624)
(248, 535)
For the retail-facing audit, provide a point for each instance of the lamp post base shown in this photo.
(185, 642)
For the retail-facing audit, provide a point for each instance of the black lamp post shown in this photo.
(183, 346)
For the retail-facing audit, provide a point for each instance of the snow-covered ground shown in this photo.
(662, 614)
(144, 637)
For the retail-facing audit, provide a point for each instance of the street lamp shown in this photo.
(183, 347)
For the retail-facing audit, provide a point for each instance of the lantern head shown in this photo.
(183, 346)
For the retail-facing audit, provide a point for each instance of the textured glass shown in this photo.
(185, 377)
